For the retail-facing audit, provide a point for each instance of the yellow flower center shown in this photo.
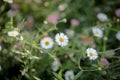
(13, 34)
(97, 32)
(91, 54)
(69, 76)
(55, 65)
(61, 39)
(47, 43)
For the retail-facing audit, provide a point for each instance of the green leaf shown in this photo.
(59, 75)
(78, 75)
(36, 78)
(55, 74)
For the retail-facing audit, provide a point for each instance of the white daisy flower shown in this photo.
(69, 75)
(55, 65)
(97, 32)
(92, 54)
(13, 33)
(102, 17)
(118, 36)
(61, 39)
(47, 43)
(0, 47)
(9, 1)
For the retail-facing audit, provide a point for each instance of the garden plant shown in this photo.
(59, 39)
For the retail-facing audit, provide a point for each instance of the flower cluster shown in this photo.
(60, 38)
(88, 39)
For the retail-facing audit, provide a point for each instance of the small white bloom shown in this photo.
(46, 43)
(69, 32)
(9, 1)
(61, 39)
(62, 7)
(45, 4)
(92, 54)
(69, 75)
(0, 47)
(102, 17)
(13, 33)
(64, 20)
(105, 38)
(97, 32)
(118, 36)
(55, 65)
(45, 22)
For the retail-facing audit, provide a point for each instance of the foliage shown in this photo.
(23, 58)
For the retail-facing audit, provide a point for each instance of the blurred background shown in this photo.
(36, 19)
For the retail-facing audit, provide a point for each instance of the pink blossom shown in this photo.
(112, 53)
(74, 22)
(53, 18)
(103, 62)
(14, 6)
(117, 12)
(30, 22)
